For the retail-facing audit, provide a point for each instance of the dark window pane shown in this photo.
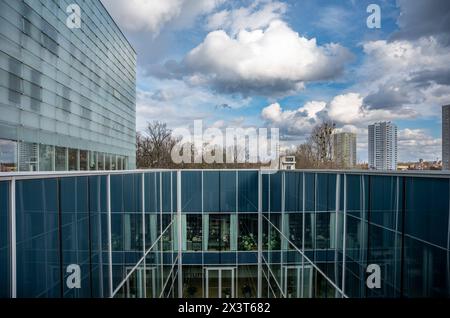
(191, 191)
(248, 191)
(38, 252)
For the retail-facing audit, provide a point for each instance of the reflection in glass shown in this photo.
(101, 161)
(73, 159)
(60, 159)
(28, 156)
(248, 232)
(219, 232)
(192, 281)
(247, 281)
(193, 232)
(92, 160)
(8, 156)
(83, 160)
(46, 158)
(107, 162)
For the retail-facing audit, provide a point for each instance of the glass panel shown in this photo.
(98, 236)
(28, 156)
(73, 159)
(227, 283)
(8, 156)
(248, 232)
(193, 281)
(293, 191)
(427, 234)
(248, 191)
(4, 239)
(38, 253)
(194, 232)
(92, 160)
(113, 162)
(101, 161)
(46, 154)
(75, 234)
(60, 159)
(247, 281)
(191, 191)
(213, 283)
(83, 160)
(219, 232)
(107, 162)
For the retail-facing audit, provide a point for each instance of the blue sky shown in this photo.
(292, 64)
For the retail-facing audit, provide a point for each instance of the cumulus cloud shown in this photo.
(420, 18)
(258, 15)
(177, 104)
(411, 74)
(271, 61)
(418, 144)
(152, 15)
(346, 110)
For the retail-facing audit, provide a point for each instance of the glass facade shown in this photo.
(290, 234)
(64, 88)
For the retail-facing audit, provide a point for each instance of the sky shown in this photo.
(293, 64)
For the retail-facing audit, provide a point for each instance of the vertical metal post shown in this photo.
(336, 229)
(303, 232)
(344, 234)
(108, 210)
(12, 238)
(180, 241)
(283, 240)
(143, 235)
(260, 243)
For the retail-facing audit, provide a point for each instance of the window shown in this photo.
(8, 156)
(248, 232)
(101, 161)
(73, 159)
(28, 156)
(219, 237)
(60, 159)
(193, 232)
(92, 160)
(83, 160)
(46, 154)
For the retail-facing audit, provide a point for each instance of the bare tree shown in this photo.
(154, 145)
(317, 152)
(322, 143)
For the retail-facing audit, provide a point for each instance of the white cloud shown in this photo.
(401, 74)
(152, 15)
(178, 104)
(415, 144)
(256, 16)
(275, 60)
(346, 110)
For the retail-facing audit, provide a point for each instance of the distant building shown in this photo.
(446, 137)
(344, 149)
(287, 163)
(383, 146)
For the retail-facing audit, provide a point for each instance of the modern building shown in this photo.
(67, 94)
(446, 137)
(383, 146)
(287, 163)
(227, 233)
(344, 149)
